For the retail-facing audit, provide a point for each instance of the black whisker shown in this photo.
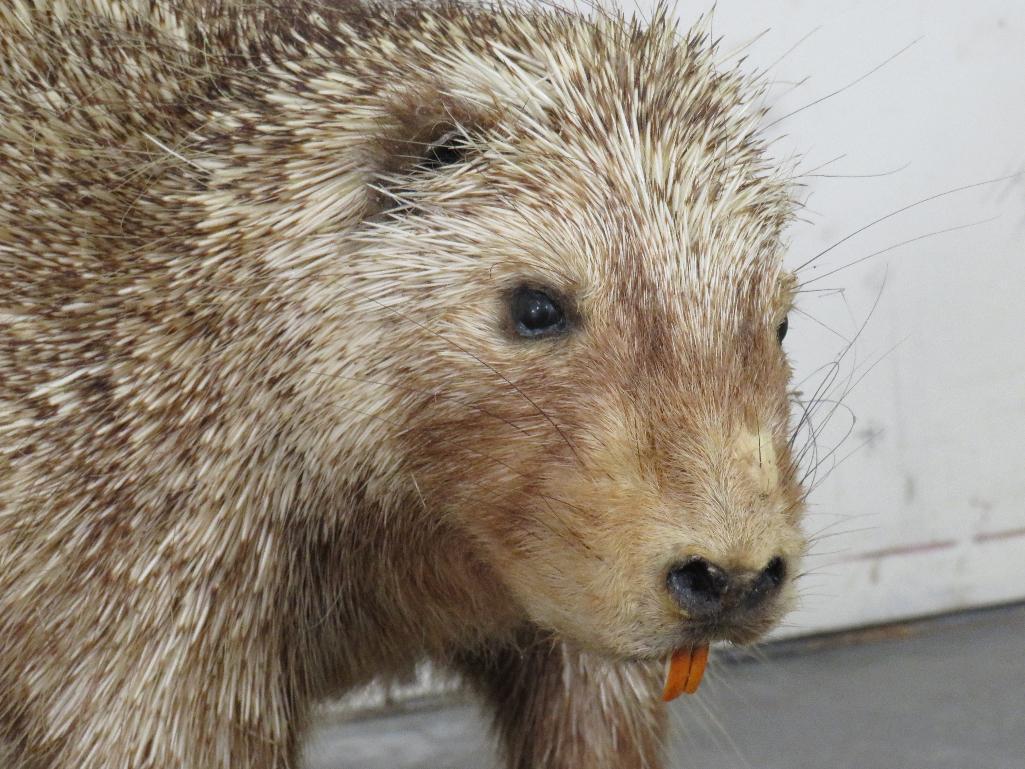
(843, 88)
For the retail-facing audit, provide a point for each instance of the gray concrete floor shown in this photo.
(941, 694)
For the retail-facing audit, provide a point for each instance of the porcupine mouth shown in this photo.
(685, 666)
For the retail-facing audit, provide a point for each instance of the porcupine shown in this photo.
(341, 336)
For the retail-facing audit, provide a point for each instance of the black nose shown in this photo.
(703, 589)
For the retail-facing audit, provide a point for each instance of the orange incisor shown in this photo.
(684, 672)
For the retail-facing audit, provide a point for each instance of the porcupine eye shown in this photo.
(781, 329)
(536, 314)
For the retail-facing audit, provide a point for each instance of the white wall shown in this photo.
(929, 513)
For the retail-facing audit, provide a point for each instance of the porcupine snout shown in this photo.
(706, 590)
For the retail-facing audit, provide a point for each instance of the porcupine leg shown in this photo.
(556, 707)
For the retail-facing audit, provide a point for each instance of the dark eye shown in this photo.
(781, 329)
(535, 313)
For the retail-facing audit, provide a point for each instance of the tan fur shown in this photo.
(265, 433)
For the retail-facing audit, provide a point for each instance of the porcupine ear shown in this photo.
(430, 134)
